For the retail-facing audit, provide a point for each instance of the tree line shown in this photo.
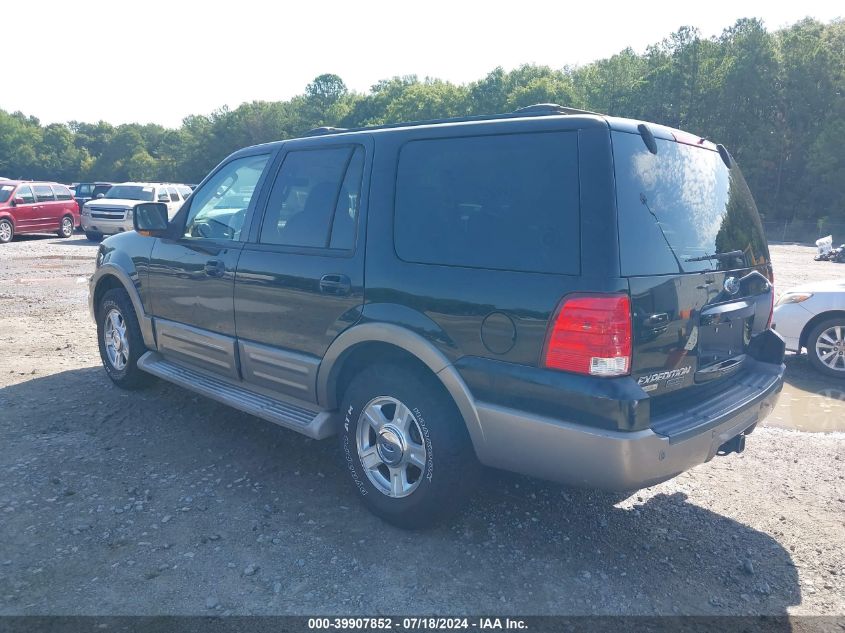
(775, 99)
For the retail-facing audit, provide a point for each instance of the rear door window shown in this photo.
(680, 207)
(43, 193)
(507, 202)
(311, 189)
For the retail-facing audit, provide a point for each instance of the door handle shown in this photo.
(215, 268)
(335, 284)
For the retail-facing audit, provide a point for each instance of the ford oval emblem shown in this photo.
(732, 285)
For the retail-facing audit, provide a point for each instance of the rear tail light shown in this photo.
(591, 334)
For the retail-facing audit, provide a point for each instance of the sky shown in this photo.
(156, 62)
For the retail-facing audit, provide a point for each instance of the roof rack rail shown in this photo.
(318, 131)
(541, 109)
(538, 109)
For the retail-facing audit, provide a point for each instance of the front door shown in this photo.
(25, 212)
(300, 279)
(192, 271)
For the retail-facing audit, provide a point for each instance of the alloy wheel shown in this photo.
(116, 340)
(391, 447)
(830, 348)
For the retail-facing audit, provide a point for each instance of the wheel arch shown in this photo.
(378, 342)
(809, 325)
(108, 277)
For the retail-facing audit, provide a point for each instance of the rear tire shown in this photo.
(120, 340)
(826, 347)
(405, 445)
(66, 227)
(93, 236)
(7, 231)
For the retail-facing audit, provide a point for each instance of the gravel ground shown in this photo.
(162, 502)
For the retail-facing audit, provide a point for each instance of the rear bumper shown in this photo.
(615, 460)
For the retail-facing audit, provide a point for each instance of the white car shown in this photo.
(813, 316)
(112, 213)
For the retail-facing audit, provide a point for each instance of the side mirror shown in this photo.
(150, 218)
(19, 200)
(100, 195)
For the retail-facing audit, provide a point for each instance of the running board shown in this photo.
(287, 412)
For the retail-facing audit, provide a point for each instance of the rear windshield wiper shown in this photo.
(726, 255)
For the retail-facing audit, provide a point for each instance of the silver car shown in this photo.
(113, 213)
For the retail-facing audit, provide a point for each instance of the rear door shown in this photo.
(692, 247)
(47, 211)
(300, 279)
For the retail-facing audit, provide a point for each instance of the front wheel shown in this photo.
(7, 231)
(405, 446)
(66, 227)
(120, 340)
(826, 347)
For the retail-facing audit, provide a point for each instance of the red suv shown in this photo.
(36, 207)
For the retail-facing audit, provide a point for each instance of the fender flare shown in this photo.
(112, 270)
(411, 342)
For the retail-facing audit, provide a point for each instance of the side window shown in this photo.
(348, 203)
(218, 208)
(100, 189)
(83, 191)
(43, 193)
(62, 192)
(305, 194)
(185, 191)
(508, 202)
(174, 195)
(162, 196)
(25, 192)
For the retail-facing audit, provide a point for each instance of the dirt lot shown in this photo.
(164, 502)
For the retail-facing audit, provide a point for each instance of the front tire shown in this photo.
(405, 446)
(66, 227)
(7, 231)
(826, 347)
(120, 340)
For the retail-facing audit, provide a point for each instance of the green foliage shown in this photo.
(775, 99)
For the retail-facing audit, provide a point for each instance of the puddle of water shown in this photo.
(809, 401)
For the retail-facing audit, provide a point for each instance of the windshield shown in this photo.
(131, 192)
(6, 192)
(682, 210)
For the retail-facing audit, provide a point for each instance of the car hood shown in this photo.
(103, 203)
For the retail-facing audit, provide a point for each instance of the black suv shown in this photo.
(554, 292)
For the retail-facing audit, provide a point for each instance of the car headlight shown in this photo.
(86, 211)
(129, 214)
(793, 297)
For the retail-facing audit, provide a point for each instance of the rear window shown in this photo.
(507, 202)
(62, 192)
(680, 206)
